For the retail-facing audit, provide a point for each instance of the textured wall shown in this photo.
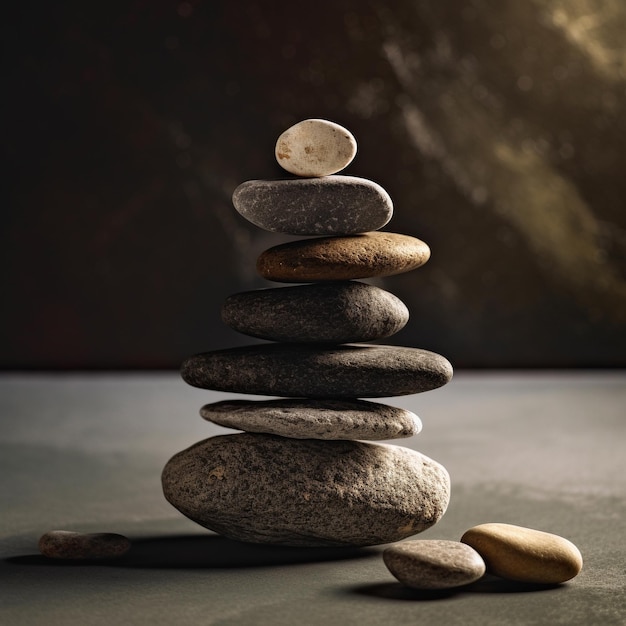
(498, 127)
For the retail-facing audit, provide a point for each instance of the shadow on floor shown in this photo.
(205, 551)
(486, 585)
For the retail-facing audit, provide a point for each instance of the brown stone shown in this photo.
(65, 544)
(343, 258)
(524, 554)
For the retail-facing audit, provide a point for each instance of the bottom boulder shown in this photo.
(304, 492)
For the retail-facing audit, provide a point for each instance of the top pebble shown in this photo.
(315, 148)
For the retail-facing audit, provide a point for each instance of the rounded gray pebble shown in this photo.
(303, 370)
(434, 564)
(305, 492)
(340, 312)
(65, 544)
(315, 419)
(332, 205)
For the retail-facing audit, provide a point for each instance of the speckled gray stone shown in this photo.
(306, 492)
(333, 205)
(305, 370)
(315, 419)
(342, 258)
(339, 312)
(434, 563)
(65, 544)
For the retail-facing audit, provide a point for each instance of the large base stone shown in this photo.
(270, 489)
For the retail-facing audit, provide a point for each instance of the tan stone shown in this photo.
(524, 554)
(343, 258)
(315, 148)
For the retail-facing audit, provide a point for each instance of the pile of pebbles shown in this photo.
(305, 471)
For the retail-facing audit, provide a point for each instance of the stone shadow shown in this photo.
(206, 551)
(486, 585)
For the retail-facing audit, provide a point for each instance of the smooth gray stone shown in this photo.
(306, 492)
(303, 370)
(434, 563)
(331, 205)
(340, 312)
(315, 419)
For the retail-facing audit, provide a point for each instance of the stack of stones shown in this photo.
(304, 472)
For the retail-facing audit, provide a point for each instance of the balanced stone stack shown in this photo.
(304, 472)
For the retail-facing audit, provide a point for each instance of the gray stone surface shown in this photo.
(315, 419)
(332, 205)
(341, 312)
(267, 489)
(84, 451)
(525, 554)
(315, 147)
(434, 563)
(69, 545)
(342, 258)
(303, 370)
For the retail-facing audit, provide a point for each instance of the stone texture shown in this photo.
(335, 205)
(304, 370)
(315, 419)
(434, 564)
(305, 492)
(524, 554)
(64, 544)
(342, 258)
(315, 148)
(340, 312)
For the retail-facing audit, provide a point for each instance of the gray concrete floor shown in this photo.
(85, 451)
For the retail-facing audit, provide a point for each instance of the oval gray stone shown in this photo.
(315, 419)
(434, 563)
(303, 370)
(340, 312)
(305, 492)
(65, 544)
(332, 205)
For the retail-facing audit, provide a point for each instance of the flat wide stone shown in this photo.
(315, 148)
(340, 312)
(525, 554)
(342, 258)
(305, 492)
(315, 419)
(334, 205)
(434, 563)
(302, 370)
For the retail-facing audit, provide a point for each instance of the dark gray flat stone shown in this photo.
(331, 205)
(315, 419)
(304, 492)
(341, 312)
(301, 370)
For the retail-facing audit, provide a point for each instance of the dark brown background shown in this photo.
(498, 128)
